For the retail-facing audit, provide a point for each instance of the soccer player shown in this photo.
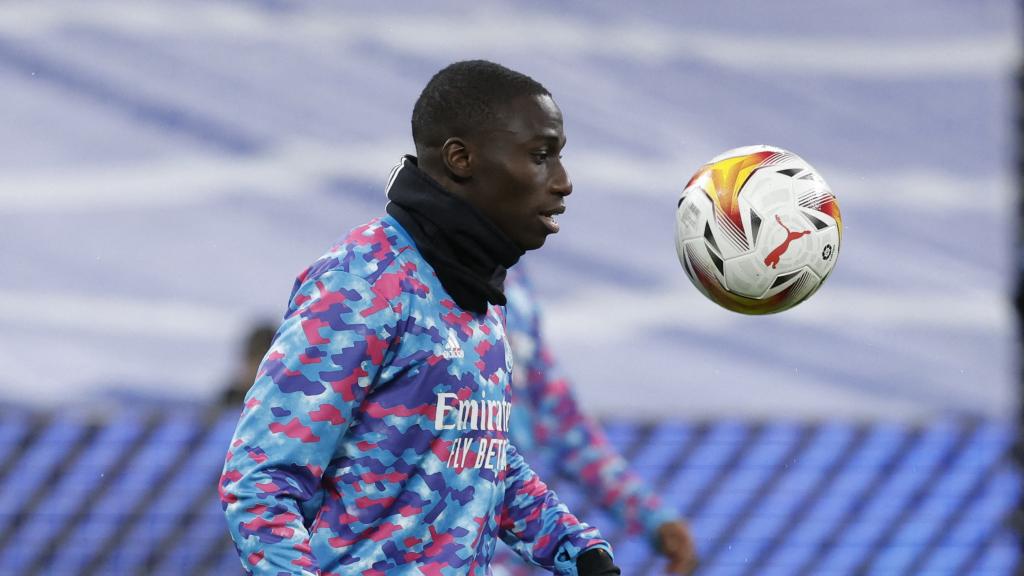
(548, 426)
(375, 438)
(257, 342)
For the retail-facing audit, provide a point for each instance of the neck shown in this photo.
(467, 251)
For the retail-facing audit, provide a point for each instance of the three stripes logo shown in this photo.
(452, 349)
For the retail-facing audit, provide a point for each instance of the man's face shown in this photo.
(518, 180)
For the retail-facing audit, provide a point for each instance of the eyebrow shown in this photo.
(547, 138)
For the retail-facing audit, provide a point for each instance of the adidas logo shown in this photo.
(452, 348)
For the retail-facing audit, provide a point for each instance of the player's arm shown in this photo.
(584, 455)
(319, 368)
(539, 527)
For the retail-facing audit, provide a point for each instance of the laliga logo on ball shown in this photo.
(758, 230)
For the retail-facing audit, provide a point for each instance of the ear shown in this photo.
(457, 158)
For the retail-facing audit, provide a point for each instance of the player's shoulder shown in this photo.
(365, 251)
(378, 255)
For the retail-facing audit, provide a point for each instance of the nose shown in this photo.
(561, 184)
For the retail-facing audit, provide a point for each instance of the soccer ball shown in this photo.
(757, 230)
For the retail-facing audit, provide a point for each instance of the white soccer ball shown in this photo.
(757, 230)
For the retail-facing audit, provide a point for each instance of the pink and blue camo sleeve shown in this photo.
(538, 526)
(323, 361)
(552, 427)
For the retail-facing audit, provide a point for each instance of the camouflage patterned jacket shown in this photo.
(375, 438)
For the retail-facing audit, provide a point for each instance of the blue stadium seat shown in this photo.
(196, 477)
(664, 445)
(722, 440)
(981, 521)
(35, 468)
(94, 467)
(762, 460)
(157, 458)
(945, 497)
(197, 544)
(832, 499)
(798, 479)
(1000, 558)
(227, 564)
(842, 494)
(862, 537)
(14, 428)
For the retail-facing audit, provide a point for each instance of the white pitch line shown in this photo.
(495, 29)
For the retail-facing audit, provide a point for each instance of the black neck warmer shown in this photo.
(467, 251)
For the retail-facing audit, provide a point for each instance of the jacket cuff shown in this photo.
(566, 560)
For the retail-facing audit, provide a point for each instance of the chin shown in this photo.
(532, 243)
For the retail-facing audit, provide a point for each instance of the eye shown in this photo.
(540, 156)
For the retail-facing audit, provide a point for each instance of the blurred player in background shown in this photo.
(548, 426)
(375, 438)
(257, 341)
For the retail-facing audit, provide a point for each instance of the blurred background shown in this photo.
(167, 169)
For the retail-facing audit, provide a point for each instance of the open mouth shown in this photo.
(550, 220)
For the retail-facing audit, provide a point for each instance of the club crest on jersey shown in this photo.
(452, 349)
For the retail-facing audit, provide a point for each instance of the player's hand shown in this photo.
(676, 544)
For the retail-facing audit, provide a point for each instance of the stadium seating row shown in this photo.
(136, 494)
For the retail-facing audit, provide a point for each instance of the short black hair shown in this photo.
(464, 97)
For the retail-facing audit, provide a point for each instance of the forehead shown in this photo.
(529, 118)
